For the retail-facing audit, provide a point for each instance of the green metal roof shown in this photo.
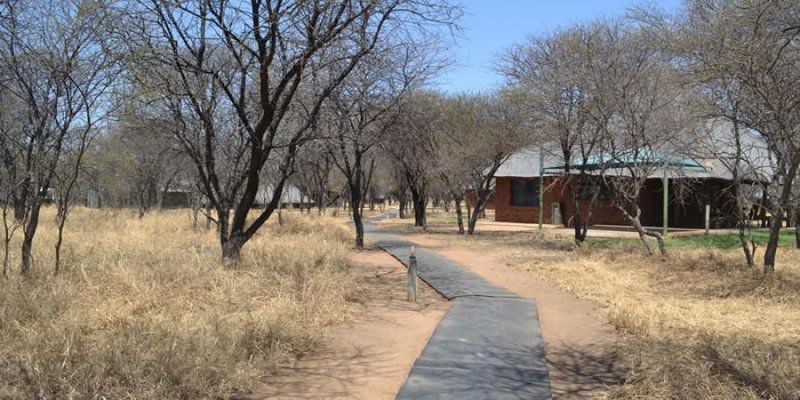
(628, 158)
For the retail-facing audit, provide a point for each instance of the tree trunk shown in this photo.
(28, 235)
(231, 248)
(142, 204)
(772, 243)
(637, 224)
(748, 253)
(581, 234)
(473, 221)
(195, 212)
(577, 222)
(61, 219)
(419, 202)
(777, 220)
(232, 242)
(478, 210)
(19, 202)
(796, 230)
(357, 221)
(459, 216)
(8, 233)
(402, 203)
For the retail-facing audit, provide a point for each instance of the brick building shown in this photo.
(517, 187)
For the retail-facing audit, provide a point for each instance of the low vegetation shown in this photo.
(144, 309)
(699, 325)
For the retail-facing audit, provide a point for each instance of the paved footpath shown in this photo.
(487, 346)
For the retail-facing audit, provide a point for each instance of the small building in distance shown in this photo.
(292, 197)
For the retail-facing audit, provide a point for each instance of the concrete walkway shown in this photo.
(488, 345)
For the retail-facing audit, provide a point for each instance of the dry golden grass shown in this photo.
(143, 308)
(697, 326)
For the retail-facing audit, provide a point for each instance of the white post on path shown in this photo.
(412, 276)
(708, 217)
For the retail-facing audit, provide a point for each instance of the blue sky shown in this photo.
(490, 26)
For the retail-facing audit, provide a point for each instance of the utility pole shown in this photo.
(541, 187)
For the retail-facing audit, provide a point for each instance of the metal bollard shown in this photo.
(412, 276)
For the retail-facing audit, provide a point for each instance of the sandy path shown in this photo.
(581, 345)
(370, 356)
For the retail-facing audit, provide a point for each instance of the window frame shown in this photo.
(534, 185)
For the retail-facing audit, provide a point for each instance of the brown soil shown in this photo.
(370, 356)
(580, 344)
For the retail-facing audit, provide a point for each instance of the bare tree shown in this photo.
(400, 186)
(642, 107)
(139, 156)
(239, 71)
(65, 180)
(752, 47)
(363, 109)
(313, 165)
(477, 134)
(553, 72)
(10, 128)
(57, 70)
(412, 144)
(744, 156)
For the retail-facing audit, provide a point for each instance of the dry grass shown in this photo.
(143, 308)
(697, 326)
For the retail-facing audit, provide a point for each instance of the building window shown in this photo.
(525, 192)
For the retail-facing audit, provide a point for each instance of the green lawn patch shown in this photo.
(729, 241)
(717, 241)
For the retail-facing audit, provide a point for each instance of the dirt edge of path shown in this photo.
(370, 355)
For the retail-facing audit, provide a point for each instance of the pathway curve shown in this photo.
(488, 345)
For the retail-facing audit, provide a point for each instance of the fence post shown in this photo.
(708, 217)
(412, 276)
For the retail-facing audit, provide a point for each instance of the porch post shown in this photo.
(541, 187)
(665, 184)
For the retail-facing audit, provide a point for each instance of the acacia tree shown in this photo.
(552, 73)
(745, 158)
(10, 126)
(412, 144)
(477, 134)
(643, 107)
(140, 152)
(314, 164)
(65, 181)
(239, 69)
(57, 71)
(365, 106)
(451, 169)
(400, 186)
(751, 47)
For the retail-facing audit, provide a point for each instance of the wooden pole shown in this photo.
(541, 187)
(412, 276)
(708, 217)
